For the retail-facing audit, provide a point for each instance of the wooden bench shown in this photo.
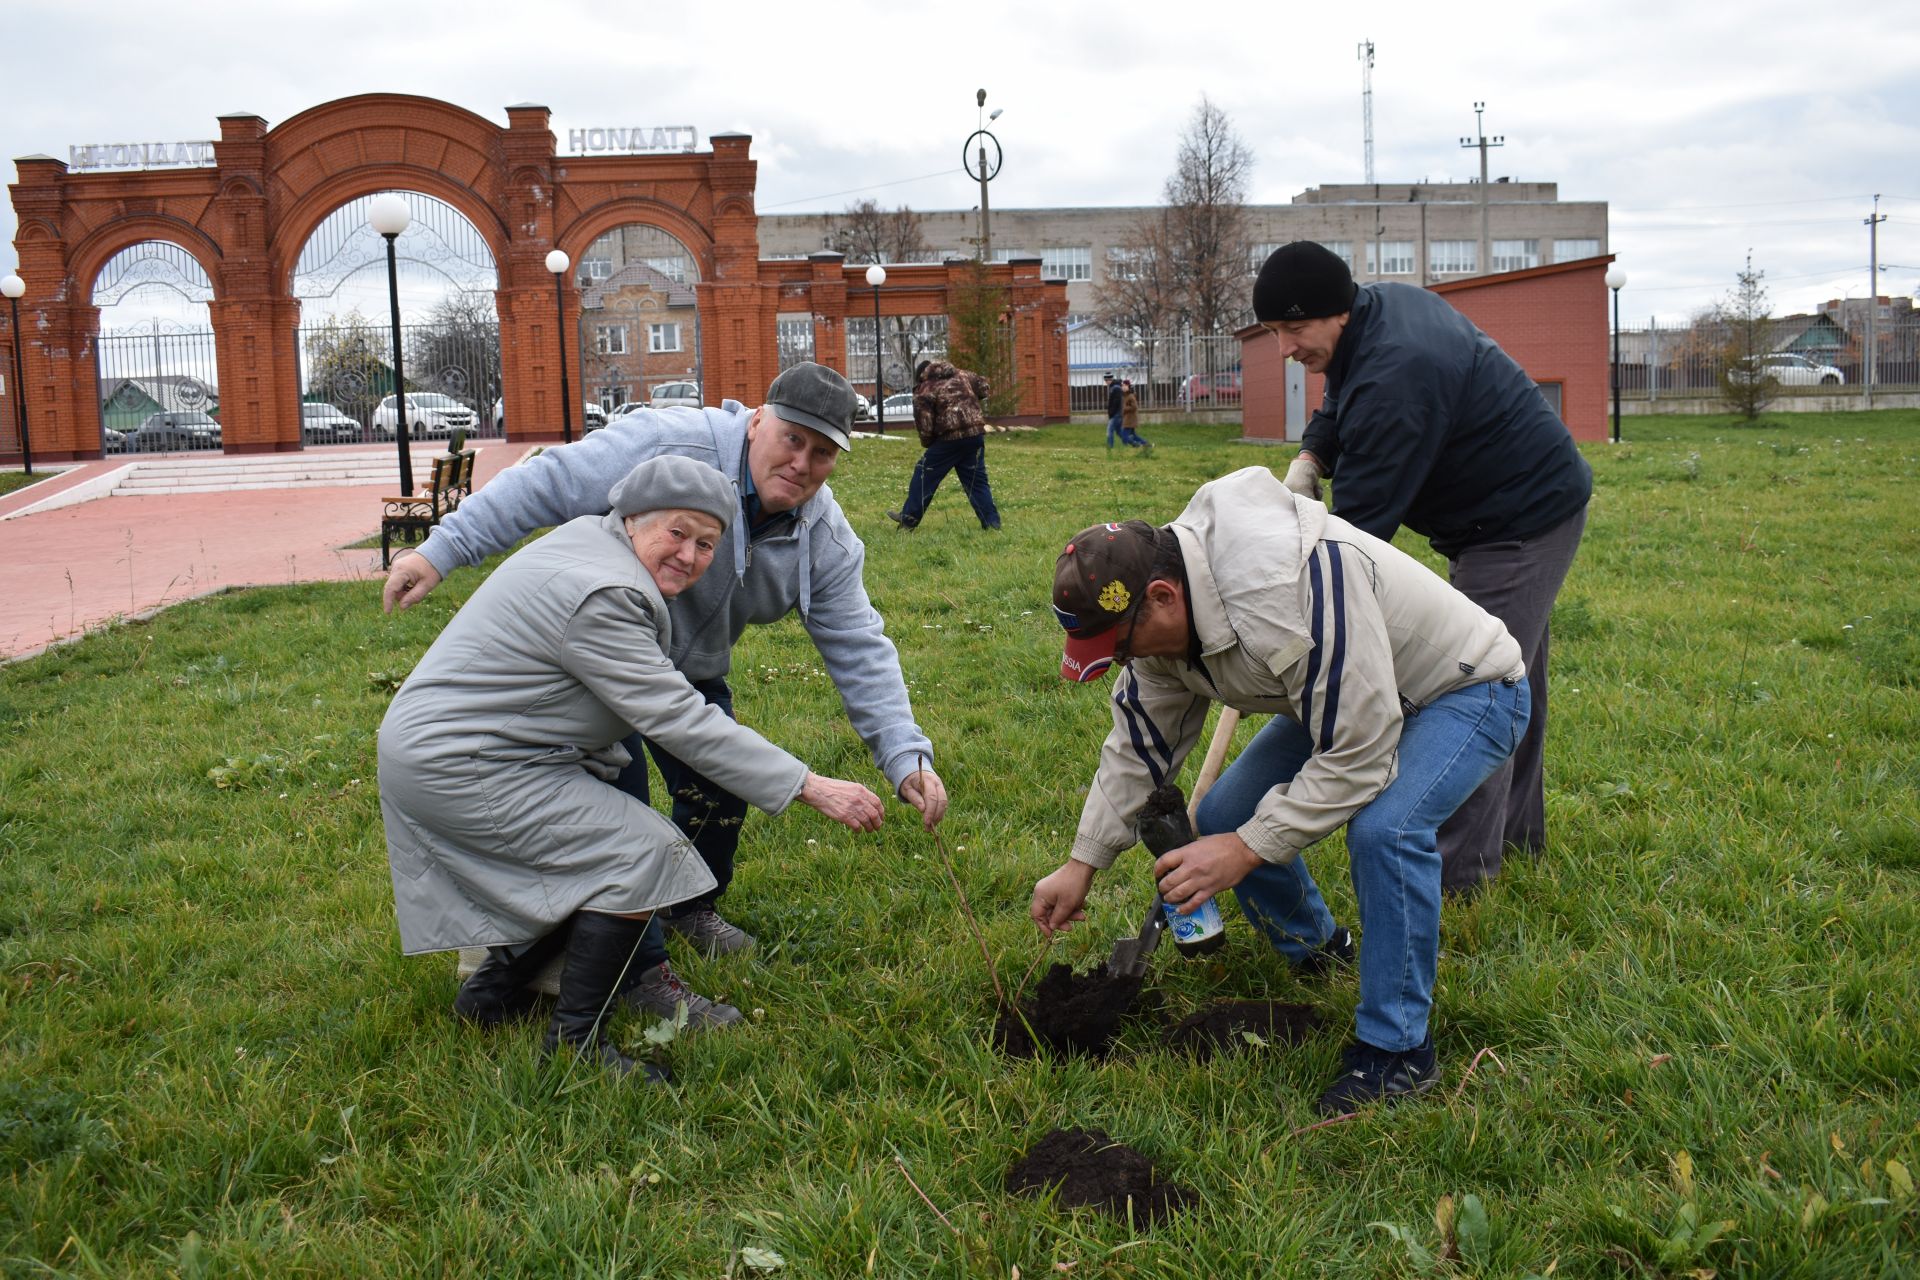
(408, 520)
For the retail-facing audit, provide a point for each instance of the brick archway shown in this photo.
(246, 219)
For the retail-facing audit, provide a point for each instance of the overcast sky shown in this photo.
(1708, 129)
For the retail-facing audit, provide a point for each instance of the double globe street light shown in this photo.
(558, 262)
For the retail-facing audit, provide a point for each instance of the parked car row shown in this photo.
(169, 431)
(1788, 369)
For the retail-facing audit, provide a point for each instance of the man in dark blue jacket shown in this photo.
(1428, 423)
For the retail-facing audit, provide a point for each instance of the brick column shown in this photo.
(60, 381)
(254, 315)
(530, 332)
(738, 317)
(827, 295)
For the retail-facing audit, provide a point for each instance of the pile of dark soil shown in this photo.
(1222, 1026)
(1073, 1013)
(1095, 1172)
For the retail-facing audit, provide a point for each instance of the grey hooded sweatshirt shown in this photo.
(810, 563)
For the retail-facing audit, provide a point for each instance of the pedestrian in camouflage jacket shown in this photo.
(952, 424)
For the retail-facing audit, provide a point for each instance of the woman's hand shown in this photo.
(847, 803)
(1059, 897)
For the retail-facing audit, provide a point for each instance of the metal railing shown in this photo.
(1691, 361)
(1178, 370)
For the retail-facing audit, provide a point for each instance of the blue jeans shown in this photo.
(706, 811)
(1127, 435)
(1447, 749)
(965, 458)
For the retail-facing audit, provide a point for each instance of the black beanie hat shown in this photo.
(1303, 281)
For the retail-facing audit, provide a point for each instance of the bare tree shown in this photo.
(868, 233)
(1139, 293)
(1206, 199)
(1747, 312)
(457, 351)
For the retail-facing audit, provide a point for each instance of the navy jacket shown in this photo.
(1428, 423)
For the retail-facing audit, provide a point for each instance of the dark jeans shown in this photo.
(1516, 582)
(1126, 435)
(968, 459)
(707, 812)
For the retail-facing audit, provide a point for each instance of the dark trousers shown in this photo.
(1516, 582)
(706, 811)
(966, 458)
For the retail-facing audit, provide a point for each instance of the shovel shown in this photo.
(1129, 958)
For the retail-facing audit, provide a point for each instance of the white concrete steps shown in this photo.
(218, 473)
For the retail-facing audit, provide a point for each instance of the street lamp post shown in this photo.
(13, 287)
(389, 216)
(977, 166)
(558, 262)
(1616, 281)
(877, 276)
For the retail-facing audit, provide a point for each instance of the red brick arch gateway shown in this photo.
(246, 219)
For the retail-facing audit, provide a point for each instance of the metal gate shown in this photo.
(451, 366)
(159, 389)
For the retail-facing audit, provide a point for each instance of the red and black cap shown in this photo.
(1098, 583)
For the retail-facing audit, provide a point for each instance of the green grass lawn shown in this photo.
(11, 480)
(1703, 1035)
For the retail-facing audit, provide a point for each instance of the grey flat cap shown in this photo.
(673, 483)
(812, 395)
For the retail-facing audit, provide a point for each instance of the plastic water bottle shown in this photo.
(1163, 826)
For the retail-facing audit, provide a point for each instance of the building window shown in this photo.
(610, 340)
(612, 398)
(1515, 255)
(1008, 255)
(663, 337)
(1257, 255)
(1074, 263)
(1389, 257)
(1452, 257)
(1573, 250)
(597, 268)
(1341, 249)
(793, 336)
(1124, 264)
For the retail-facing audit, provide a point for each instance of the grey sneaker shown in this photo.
(659, 991)
(705, 929)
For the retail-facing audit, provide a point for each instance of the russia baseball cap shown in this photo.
(812, 395)
(1098, 583)
(1303, 281)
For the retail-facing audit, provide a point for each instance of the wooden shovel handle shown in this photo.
(1216, 756)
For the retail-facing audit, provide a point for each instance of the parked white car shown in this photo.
(672, 395)
(429, 414)
(622, 410)
(1791, 369)
(899, 406)
(592, 416)
(322, 423)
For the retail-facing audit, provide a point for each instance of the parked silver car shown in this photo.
(322, 423)
(1790, 369)
(675, 395)
(429, 414)
(165, 432)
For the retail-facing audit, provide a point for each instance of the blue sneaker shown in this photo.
(1379, 1075)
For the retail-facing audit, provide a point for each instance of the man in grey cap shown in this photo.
(790, 550)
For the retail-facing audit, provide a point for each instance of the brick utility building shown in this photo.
(245, 219)
(1552, 320)
(1415, 233)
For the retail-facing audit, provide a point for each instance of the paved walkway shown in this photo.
(71, 568)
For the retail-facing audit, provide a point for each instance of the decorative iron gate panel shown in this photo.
(452, 368)
(159, 389)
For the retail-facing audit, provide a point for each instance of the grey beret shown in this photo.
(673, 483)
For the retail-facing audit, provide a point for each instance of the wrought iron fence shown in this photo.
(159, 389)
(1176, 370)
(1821, 355)
(346, 381)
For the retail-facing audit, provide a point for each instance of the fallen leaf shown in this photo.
(762, 1259)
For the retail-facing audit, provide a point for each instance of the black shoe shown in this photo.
(901, 520)
(1336, 952)
(1378, 1075)
(497, 993)
(599, 951)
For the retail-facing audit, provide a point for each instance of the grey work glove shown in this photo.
(1303, 477)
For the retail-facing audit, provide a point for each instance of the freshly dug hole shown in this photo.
(1225, 1025)
(1095, 1172)
(1069, 1013)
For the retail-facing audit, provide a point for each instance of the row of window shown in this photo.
(611, 339)
(1444, 257)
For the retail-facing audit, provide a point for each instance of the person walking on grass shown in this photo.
(1428, 423)
(1117, 428)
(949, 413)
(1392, 697)
(500, 754)
(1130, 417)
(789, 550)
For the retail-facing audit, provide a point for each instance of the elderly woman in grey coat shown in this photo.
(499, 753)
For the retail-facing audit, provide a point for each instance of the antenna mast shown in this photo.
(1366, 101)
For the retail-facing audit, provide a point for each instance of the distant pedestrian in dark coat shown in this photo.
(1130, 416)
(948, 414)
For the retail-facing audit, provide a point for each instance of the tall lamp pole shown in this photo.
(558, 262)
(389, 216)
(1616, 281)
(877, 276)
(983, 170)
(13, 287)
